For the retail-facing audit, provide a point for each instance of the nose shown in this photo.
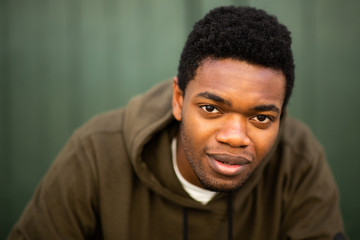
(234, 133)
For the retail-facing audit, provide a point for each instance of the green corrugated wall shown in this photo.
(62, 61)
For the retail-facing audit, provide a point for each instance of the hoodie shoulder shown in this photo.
(107, 122)
(300, 139)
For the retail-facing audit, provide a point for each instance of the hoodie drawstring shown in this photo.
(229, 215)
(185, 224)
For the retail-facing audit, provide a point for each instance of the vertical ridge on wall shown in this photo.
(309, 55)
(93, 56)
(112, 41)
(74, 44)
(24, 83)
(41, 76)
(59, 64)
(192, 11)
(5, 123)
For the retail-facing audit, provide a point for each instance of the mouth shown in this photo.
(230, 159)
(228, 165)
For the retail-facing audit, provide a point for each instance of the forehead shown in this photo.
(238, 80)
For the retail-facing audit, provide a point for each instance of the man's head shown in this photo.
(237, 71)
(241, 33)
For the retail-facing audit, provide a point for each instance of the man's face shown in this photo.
(229, 120)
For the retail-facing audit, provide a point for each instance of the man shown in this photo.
(212, 157)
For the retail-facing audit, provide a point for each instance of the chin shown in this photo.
(223, 186)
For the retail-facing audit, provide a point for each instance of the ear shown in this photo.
(177, 100)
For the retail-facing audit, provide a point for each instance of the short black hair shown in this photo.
(241, 33)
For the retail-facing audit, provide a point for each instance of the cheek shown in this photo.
(263, 141)
(197, 129)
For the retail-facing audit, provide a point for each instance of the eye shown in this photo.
(262, 121)
(262, 118)
(209, 109)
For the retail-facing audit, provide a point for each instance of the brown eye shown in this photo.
(210, 109)
(261, 118)
(262, 121)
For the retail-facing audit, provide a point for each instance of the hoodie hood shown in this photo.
(145, 116)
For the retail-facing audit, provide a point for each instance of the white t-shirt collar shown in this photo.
(199, 194)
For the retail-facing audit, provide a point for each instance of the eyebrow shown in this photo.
(214, 98)
(264, 108)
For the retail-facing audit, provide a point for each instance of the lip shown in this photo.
(228, 165)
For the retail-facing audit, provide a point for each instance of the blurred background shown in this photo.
(62, 62)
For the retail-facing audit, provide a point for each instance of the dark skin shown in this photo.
(229, 120)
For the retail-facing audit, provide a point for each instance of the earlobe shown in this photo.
(177, 100)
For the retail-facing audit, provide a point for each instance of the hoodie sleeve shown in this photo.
(312, 210)
(63, 206)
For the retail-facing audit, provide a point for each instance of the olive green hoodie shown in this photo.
(114, 179)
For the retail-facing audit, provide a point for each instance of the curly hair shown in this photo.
(241, 33)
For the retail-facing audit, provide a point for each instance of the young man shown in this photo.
(212, 157)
